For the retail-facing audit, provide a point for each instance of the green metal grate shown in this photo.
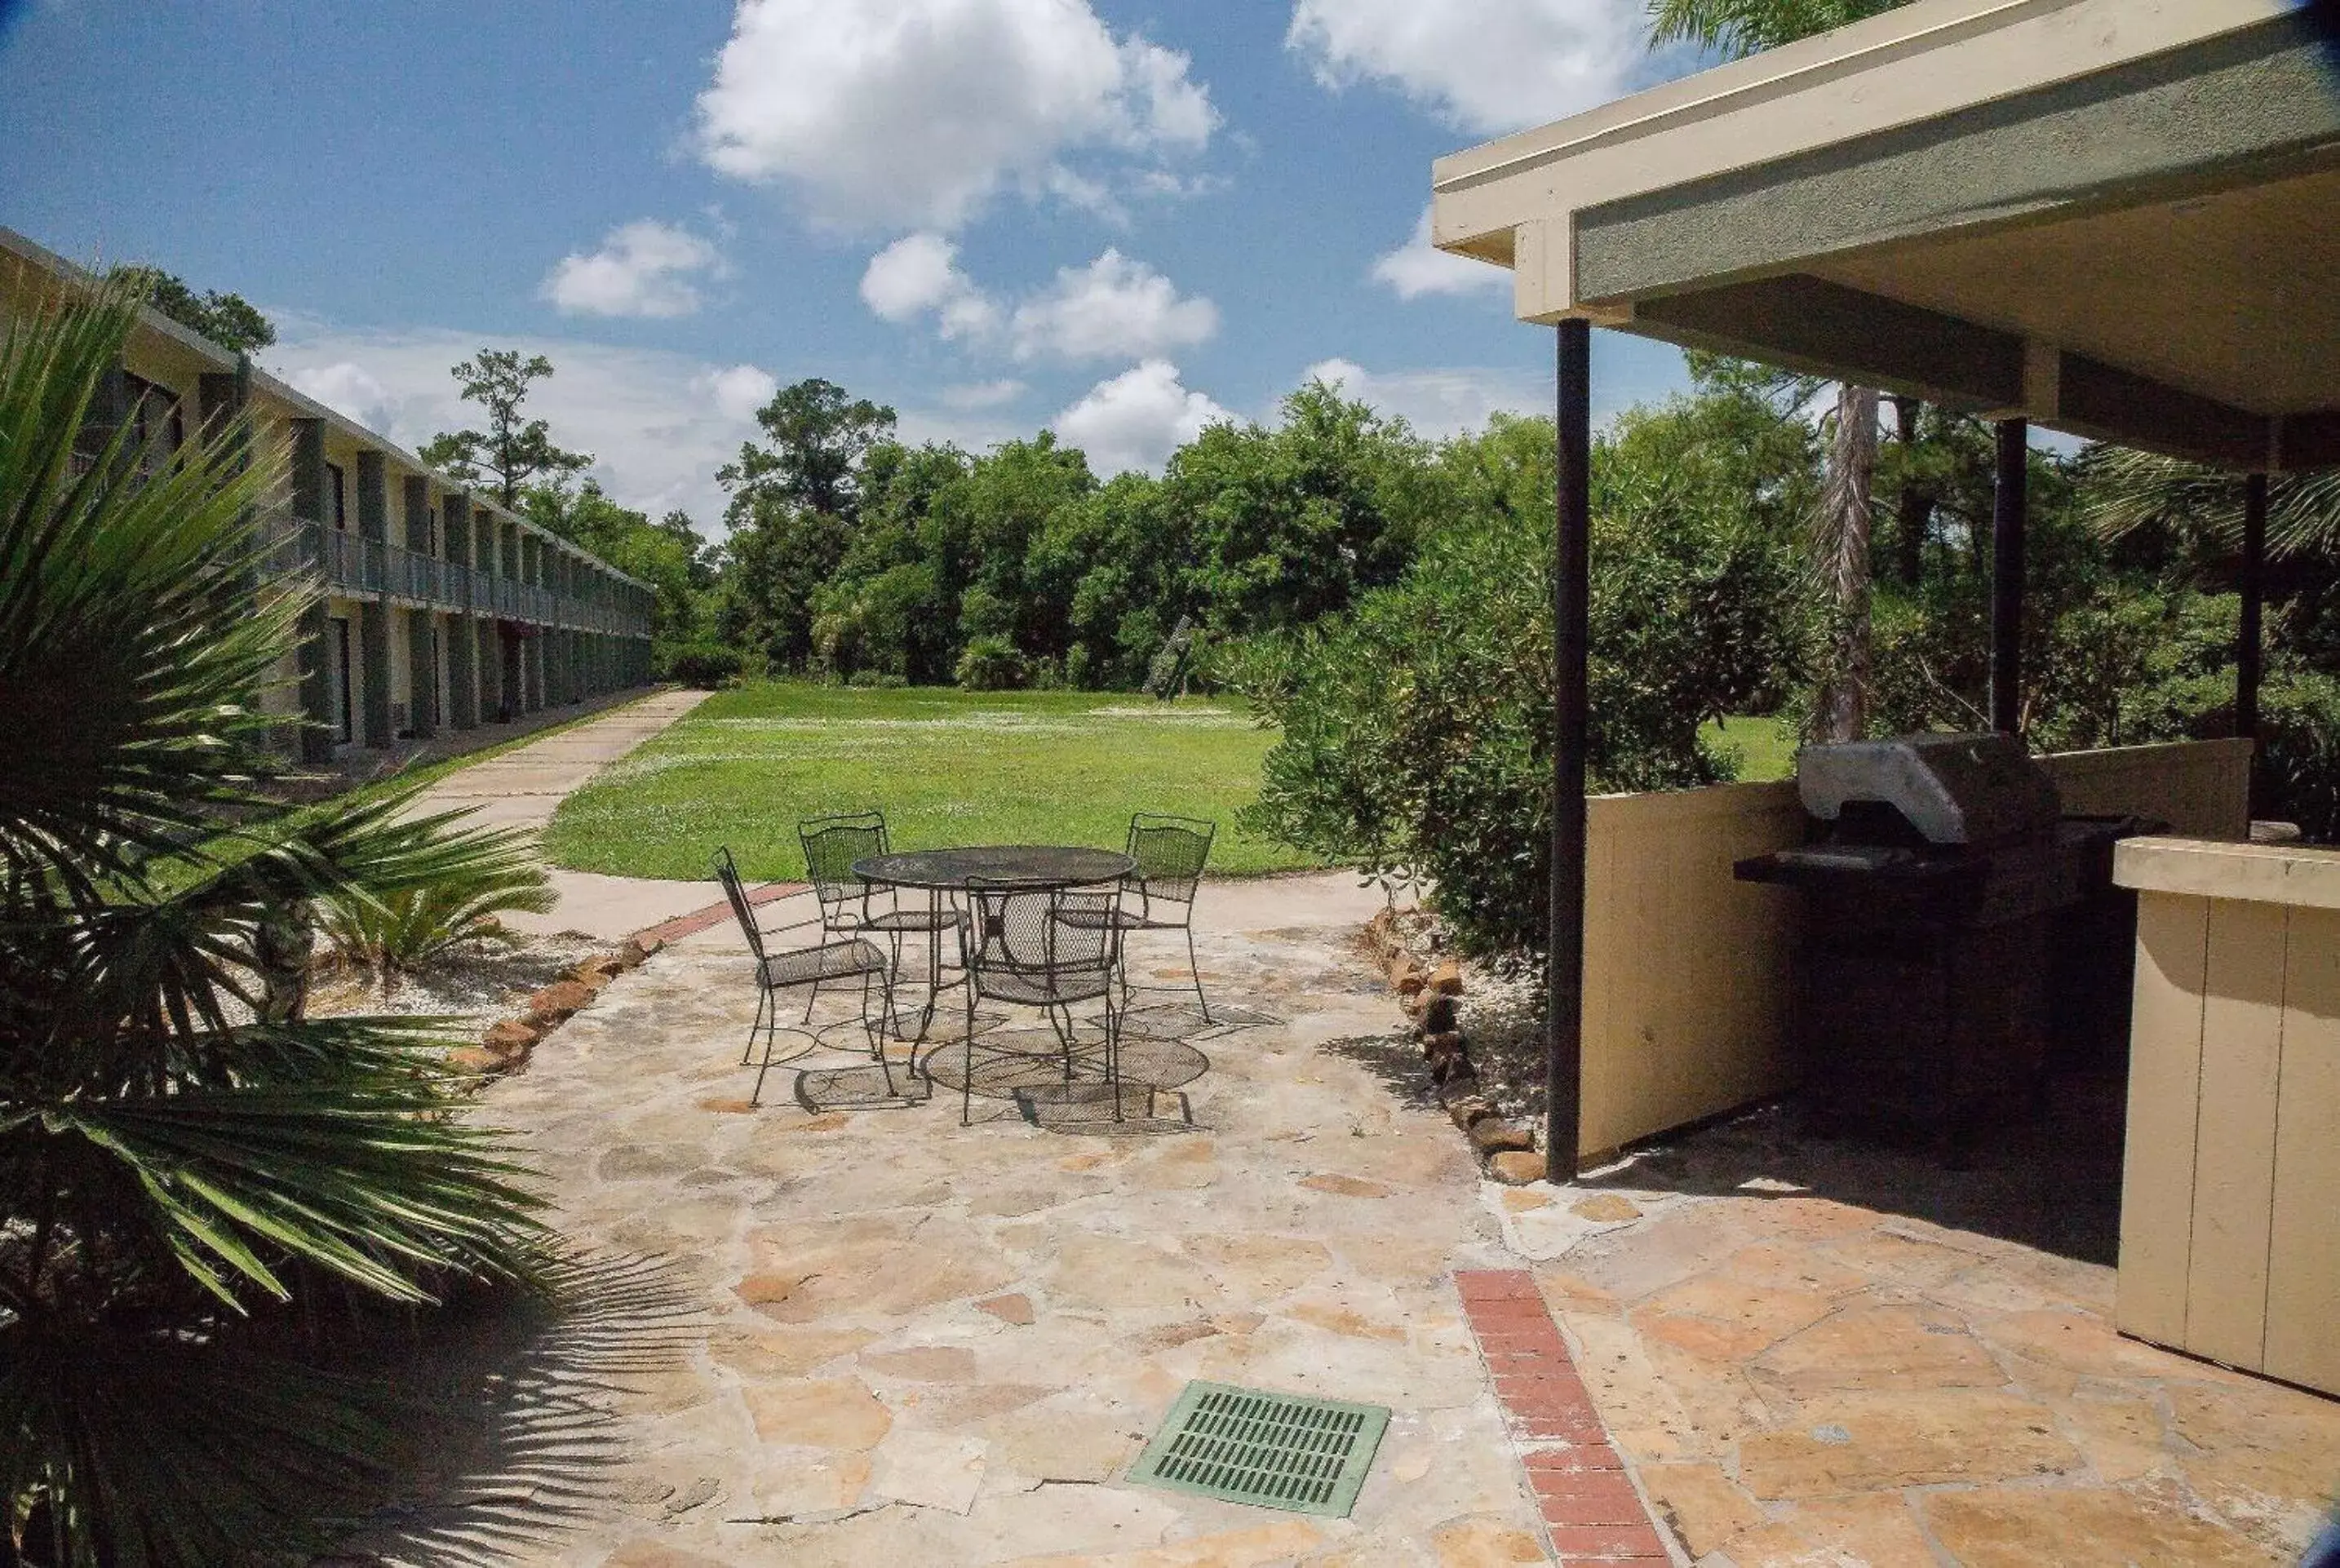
(1275, 1450)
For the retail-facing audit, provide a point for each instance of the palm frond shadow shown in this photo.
(510, 1430)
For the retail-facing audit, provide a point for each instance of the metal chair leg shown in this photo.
(756, 1095)
(1195, 972)
(967, 1077)
(877, 1035)
(763, 997)
(1113, 1055)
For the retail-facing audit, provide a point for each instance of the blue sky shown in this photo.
(1116, 220)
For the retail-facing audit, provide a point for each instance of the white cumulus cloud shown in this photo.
(642, 269)
(1417, 268)
(350, 388)
(982, 394)
(1136, 420)
(920, 274)
(739, 391)
(1436, 402)
(1483, 66)
(658, 423)
(1114, 308)
(913, 113)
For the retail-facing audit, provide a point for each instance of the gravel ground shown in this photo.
(1501, 1016)
(476, 985)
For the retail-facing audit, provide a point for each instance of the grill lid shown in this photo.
(1951, 789)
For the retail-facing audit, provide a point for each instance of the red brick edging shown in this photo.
(1590, 1509)
(715, 913)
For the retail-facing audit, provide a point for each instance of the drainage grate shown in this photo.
(1275, 1450)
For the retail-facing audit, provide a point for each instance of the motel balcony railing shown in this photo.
(353, 565)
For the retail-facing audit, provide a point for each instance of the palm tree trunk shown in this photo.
(1841, 551)
(1915, 512)
(281, 949)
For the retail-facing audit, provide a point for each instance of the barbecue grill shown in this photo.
(1954, 916)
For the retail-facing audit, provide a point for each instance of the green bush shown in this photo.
(2299, 767)
(877, 680)
(1416, 731)
(406, 931)
(990, 664)
(202, 1189)
(709, 665)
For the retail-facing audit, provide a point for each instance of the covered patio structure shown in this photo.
(2111, 219)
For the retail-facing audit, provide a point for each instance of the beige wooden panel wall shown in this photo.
(2228, 1245)
(2200, 787)
(1686, 970)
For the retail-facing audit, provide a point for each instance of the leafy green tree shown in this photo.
(1415, 731)
(891, 605)
(1733, 28)
(185, 1163)
(816, 436)
(512, 451)
(230, 320)
(1290, 523)
(1118, 561)
(794, 500)
(1841, 526)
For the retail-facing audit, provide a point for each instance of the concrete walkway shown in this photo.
(523, 787)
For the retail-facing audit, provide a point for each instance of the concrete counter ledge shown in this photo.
(2289, 874)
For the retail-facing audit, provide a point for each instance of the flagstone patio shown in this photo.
(1821, 1353)
(924, 1344)
(894, 1341)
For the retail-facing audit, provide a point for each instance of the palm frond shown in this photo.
(168, 1159)
(152, 1450)
(1732, 28)
(132, 642)
(365, 1183)
(2122, 490)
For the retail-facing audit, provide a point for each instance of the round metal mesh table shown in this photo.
(1025, 865)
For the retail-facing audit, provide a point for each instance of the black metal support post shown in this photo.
(1571, 591)
(2006, 523)
(2249, 639)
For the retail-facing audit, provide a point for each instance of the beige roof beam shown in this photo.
(2111, 217)
(1821, 328)
(1903, 68)
(1808, 324)
(2240, 108)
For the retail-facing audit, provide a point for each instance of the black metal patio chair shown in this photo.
(1159, 894)
(1047, 949)
(855, 957)
(851, 907)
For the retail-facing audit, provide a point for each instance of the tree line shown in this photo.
(1766, 545)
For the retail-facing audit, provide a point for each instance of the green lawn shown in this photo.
(946, 767)
(1767, 747)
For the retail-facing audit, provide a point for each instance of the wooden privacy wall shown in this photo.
(1686, 970)
(2200, 787)
(1687, 973)
(2228, 1245)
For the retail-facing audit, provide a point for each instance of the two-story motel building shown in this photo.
(443, 611)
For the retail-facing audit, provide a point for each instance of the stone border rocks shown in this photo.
(1429, 988)
(508, 1045)
(506, 1048)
